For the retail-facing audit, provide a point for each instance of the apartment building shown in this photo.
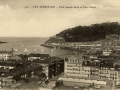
(86, 71)
(107, 52)
(92, 69)
(34, 56)
(13, 71)
(7, 64)
(110, 73)
(52, 66)
(72, 66)
(5, 54)
(80, 45)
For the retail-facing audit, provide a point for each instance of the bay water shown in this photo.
(32, 44)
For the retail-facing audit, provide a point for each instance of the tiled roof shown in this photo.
(5, 51)
(117, 67)
(22, 55)
(38, 55)
(48, 60)
(4, 70)
(15, 58)
(25, 69)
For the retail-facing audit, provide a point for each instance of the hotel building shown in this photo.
(94, 69)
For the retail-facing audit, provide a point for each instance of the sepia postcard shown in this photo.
(59, 44)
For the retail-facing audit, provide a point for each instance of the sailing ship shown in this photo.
(15, 50)
(26, 50)
(35, 50)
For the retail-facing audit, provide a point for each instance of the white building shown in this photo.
(5, 55)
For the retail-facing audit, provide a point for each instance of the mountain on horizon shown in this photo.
(93, 32)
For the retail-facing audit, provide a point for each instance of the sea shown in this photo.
(31, 44)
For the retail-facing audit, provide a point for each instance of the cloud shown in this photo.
(17, 21)
(20, 23)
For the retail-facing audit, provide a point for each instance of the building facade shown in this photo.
(92, 69)
(52, 66)
(4, 55)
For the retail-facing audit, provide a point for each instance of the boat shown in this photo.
(35, 50)
(26, 50)
(15, 50)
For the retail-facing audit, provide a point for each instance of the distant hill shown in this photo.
(94, 32)
(55, 40)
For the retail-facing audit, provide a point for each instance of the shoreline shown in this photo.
(65, 48)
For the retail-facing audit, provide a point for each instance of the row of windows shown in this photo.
(101, 72)
(74, 73)
(71, 70)
(104, 71)
(104, 68)
(73, 65)
(96, 74)
(87, 68)
(92, 72)
(80, 69)
(111, 78)
(77, 69)
(74, 70)
(113, 74)
(75, 61)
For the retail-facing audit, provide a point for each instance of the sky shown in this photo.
(18, 21)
